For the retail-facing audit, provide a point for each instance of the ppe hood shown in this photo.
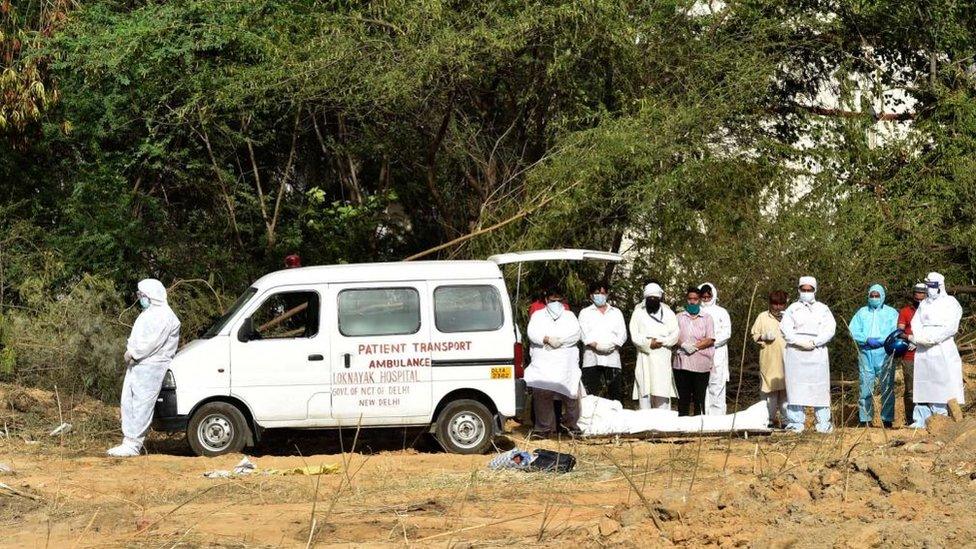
(154, 290)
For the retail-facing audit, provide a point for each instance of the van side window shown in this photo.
(379, 311)
(287, 315)
(467, 309)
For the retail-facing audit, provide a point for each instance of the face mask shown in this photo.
(807, 297)
(555, 309)
(874, 302)
(708, 303)
(144, 303)
(652, 304)
(933, 292)
(599, 299)
(693, 309)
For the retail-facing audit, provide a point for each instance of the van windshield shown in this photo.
(224, 318)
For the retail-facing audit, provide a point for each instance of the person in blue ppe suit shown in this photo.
(869, 328)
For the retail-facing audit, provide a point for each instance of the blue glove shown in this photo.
(874, 343)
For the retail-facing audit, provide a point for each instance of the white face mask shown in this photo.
(555, 309)
(932, 292)
(807, 297)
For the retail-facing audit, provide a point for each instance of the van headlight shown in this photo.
(169, 382)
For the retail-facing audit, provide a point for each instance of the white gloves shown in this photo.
(129, 361)
(554, 342)
(689, 348)
(808, 345)
(769, 337)
(920, 341)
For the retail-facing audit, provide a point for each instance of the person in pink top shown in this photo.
(693, 359)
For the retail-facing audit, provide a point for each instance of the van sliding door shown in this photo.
(381, 353)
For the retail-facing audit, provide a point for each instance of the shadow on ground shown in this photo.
(304, 442)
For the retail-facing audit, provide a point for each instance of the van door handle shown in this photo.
(346, 360)
(315, 357)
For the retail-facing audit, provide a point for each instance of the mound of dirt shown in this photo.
(30, 413)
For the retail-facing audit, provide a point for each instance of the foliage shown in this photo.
(743, 143)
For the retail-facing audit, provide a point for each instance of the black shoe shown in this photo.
(574, 432)
(887, 424)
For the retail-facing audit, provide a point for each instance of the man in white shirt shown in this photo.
(603, 331)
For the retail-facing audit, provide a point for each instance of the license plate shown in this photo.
(501, 373)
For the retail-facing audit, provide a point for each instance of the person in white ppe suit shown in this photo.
(938, 367)
(807, 326)
(719, 378)
(654, 331)
(553, 334)
(151, 347)
(603, 332)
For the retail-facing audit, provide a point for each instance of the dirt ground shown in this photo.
(853, 488)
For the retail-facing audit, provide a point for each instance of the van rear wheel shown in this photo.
(465, 427)
(217, 428)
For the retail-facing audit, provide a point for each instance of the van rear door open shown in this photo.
(380, 352)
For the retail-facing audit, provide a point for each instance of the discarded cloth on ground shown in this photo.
(247, 467)
(599, 416)
(244, 467)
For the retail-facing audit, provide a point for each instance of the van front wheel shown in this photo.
(217, 428)
(464, 427)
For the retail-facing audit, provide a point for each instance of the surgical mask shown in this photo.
(144, 303)
(933, 292)
(693, 309)
(599, 299)
(555, 309)
(652, 304)
(807, 297)
(708, 303)
(874, 302)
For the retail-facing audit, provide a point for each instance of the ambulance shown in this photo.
(429, 344)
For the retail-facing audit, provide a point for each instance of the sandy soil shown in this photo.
(853, 488)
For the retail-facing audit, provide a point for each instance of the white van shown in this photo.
(412, 344)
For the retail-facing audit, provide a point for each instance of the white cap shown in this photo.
(808, 281)
(935, 277)
(653, 290)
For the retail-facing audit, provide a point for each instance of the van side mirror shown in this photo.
(247, 331)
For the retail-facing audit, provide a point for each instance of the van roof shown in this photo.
(381, 272)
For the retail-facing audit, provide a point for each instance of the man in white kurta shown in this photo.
(938, 367)
(807, 326)
(603, 332)
(719, 378)
(654, 331)
(553, 334)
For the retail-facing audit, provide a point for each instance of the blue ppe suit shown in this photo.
(874, 364)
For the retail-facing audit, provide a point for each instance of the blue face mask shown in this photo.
(874, 302)
(555, 309)
(144, 303)
(693, 309)
(599, 299)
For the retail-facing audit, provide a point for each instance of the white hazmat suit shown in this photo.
(151, 347)
(938, 367)
(717, 380)
(807, 328)
(554, 367)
